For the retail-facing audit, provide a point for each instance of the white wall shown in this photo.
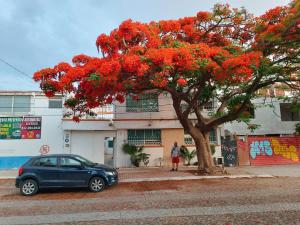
(91, 124)
(13, 153)
(156, 155)
(267, 117)
(123, 159)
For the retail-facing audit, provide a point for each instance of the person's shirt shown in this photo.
(175, 151)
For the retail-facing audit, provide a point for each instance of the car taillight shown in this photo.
(21, 170)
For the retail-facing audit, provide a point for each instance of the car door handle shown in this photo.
(89, 171)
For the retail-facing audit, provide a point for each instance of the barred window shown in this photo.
(188, 140)
(213, 136)
(145, 103)
(288, 113)
(55, 103)
(144, 137)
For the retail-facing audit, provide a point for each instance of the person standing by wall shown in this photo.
(175, 157)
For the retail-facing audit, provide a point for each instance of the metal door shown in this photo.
(229, 152)
(109, 151)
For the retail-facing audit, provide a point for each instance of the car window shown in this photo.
(84, 160)
(45, 162)
(69, 162)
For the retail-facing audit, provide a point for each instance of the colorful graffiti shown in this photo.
(275, 150)
(260, 148)
(288, 152)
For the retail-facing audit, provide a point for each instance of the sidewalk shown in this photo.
(188, 173)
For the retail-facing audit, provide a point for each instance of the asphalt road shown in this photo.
(218, 201)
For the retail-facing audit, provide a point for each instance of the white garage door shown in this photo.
(90, 144)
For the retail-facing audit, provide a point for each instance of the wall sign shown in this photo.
(20, 127)
(67, 141)
(44, 149)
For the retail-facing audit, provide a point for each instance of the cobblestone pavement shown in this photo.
(218, 201)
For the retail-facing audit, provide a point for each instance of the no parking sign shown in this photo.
(44, 149)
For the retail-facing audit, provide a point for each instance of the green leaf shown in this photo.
(93, 76)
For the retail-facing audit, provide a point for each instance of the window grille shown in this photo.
(188, 140)
(288, 114)
(144, 137)
(146, 103)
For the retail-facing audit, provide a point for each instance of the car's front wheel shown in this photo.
(29, 187)
(96, 184)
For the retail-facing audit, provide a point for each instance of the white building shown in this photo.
(274, 117)
(29, 123)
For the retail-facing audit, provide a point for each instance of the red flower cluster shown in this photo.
(204, 16)
(241, 68)
(110, 69)
(171, 54)
(81, 59)
(181, 81)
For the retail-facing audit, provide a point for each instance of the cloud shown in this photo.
(40, 33)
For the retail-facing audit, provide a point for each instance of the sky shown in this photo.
(36, 34)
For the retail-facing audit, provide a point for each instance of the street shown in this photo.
(215, 201)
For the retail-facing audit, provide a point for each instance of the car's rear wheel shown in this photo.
(29, 187)
(96, 184)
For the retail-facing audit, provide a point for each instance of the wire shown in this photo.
(16, 69)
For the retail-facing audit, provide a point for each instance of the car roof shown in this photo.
(54, 155)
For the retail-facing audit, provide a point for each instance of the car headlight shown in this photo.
(111, 173)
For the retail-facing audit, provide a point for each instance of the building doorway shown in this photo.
(109, 151)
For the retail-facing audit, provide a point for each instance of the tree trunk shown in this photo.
(205, 161)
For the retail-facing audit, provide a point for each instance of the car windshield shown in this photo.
(84, 160)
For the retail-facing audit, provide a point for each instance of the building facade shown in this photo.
(150, 122)
(274, 142)
(274, 117)
(30, 124)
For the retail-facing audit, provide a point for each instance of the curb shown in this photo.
(8, 178)
(136, 180)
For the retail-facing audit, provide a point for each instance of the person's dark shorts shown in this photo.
(175, 159)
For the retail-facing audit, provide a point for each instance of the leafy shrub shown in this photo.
(136, 154)
(187, 155)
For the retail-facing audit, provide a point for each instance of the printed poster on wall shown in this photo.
(10, 127)
(20, 127)
(31, 128)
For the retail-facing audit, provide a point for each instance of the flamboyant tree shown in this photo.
(226, 54)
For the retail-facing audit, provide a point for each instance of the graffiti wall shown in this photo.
(274, 150)
(229, 152)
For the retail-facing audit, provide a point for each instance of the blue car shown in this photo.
(64, 170)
